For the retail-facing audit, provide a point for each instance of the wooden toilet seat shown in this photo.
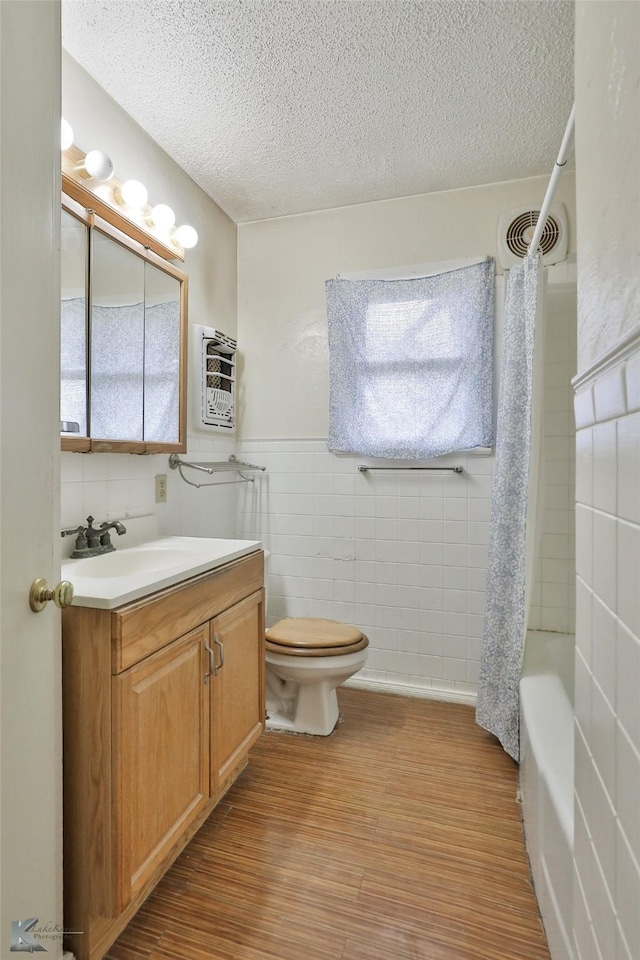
(314, 637)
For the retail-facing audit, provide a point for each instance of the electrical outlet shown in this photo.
(161, 488)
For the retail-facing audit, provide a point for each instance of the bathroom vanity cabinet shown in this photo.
(163, 698)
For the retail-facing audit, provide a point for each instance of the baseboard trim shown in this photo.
(404, 690)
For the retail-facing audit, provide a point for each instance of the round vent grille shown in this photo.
(520, 233)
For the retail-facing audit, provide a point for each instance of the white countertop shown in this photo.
(129, 573)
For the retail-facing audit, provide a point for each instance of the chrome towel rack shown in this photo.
(363, 468)
(221, 466)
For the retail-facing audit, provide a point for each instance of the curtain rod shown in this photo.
(555, 176)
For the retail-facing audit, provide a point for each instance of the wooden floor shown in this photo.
(397, 838)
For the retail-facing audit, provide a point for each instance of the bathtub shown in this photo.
(546, 779)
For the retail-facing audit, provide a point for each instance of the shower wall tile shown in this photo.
(628, 575)
(582, 928)
(606, 919)
(609, 395)
(403, 556)
(632, 383)
(604, 557)
(603, 662)
(628, 437)
(627, 887)
(628, 683)
(605, 493)
(552, 608)
(584, 409)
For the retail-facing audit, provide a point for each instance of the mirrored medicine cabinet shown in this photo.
(123, 326)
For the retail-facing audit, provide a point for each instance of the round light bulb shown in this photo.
(98, 165)
(186, 236)
(163, 216)
(134, 193)
(66, 134)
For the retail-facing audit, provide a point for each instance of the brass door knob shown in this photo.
(40, 593)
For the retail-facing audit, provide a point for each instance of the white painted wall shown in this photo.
(283, 265)
(100, 123)
(402, 556)
(121, 485)
(606, 919)
(608, 144)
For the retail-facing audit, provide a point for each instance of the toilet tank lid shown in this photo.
(313, 632)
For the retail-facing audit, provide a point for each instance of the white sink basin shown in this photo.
(130, 561)
(130, 573)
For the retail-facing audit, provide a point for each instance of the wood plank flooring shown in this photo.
(397, 838)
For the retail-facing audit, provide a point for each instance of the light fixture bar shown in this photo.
(75, 185)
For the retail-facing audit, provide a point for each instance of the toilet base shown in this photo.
(301, 691)
(315, 710)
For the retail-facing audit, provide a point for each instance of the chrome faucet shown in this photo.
(91, 542)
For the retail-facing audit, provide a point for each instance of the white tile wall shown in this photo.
(116, 486)
(607, 775)
(402, 555)
(553, 602)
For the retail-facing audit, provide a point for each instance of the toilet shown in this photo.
(306, 659)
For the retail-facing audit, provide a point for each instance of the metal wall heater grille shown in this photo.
(218, 358)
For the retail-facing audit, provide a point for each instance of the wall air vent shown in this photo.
(215, 379)
(515, 232)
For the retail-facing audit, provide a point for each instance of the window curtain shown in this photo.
(512, 515)
(411, 364)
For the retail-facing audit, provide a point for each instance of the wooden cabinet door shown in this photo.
(237, 688)
(160, 757)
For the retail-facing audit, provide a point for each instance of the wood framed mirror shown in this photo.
(123, 320)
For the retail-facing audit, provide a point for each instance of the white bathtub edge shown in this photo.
(546, 781)
(551, 738)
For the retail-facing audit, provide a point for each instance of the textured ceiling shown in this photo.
(282, 106)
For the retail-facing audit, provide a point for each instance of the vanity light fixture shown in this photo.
(123, 205)
(66, 134)
(186, 236)
(132, 193)
(98, 165)
(162, 217)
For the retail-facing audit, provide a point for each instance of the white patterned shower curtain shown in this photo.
(512, 532)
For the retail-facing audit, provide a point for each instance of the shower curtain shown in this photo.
(512, 530)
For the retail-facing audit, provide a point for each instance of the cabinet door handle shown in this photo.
(219, 643)
(212, 666)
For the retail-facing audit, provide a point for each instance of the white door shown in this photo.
(30, 688)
